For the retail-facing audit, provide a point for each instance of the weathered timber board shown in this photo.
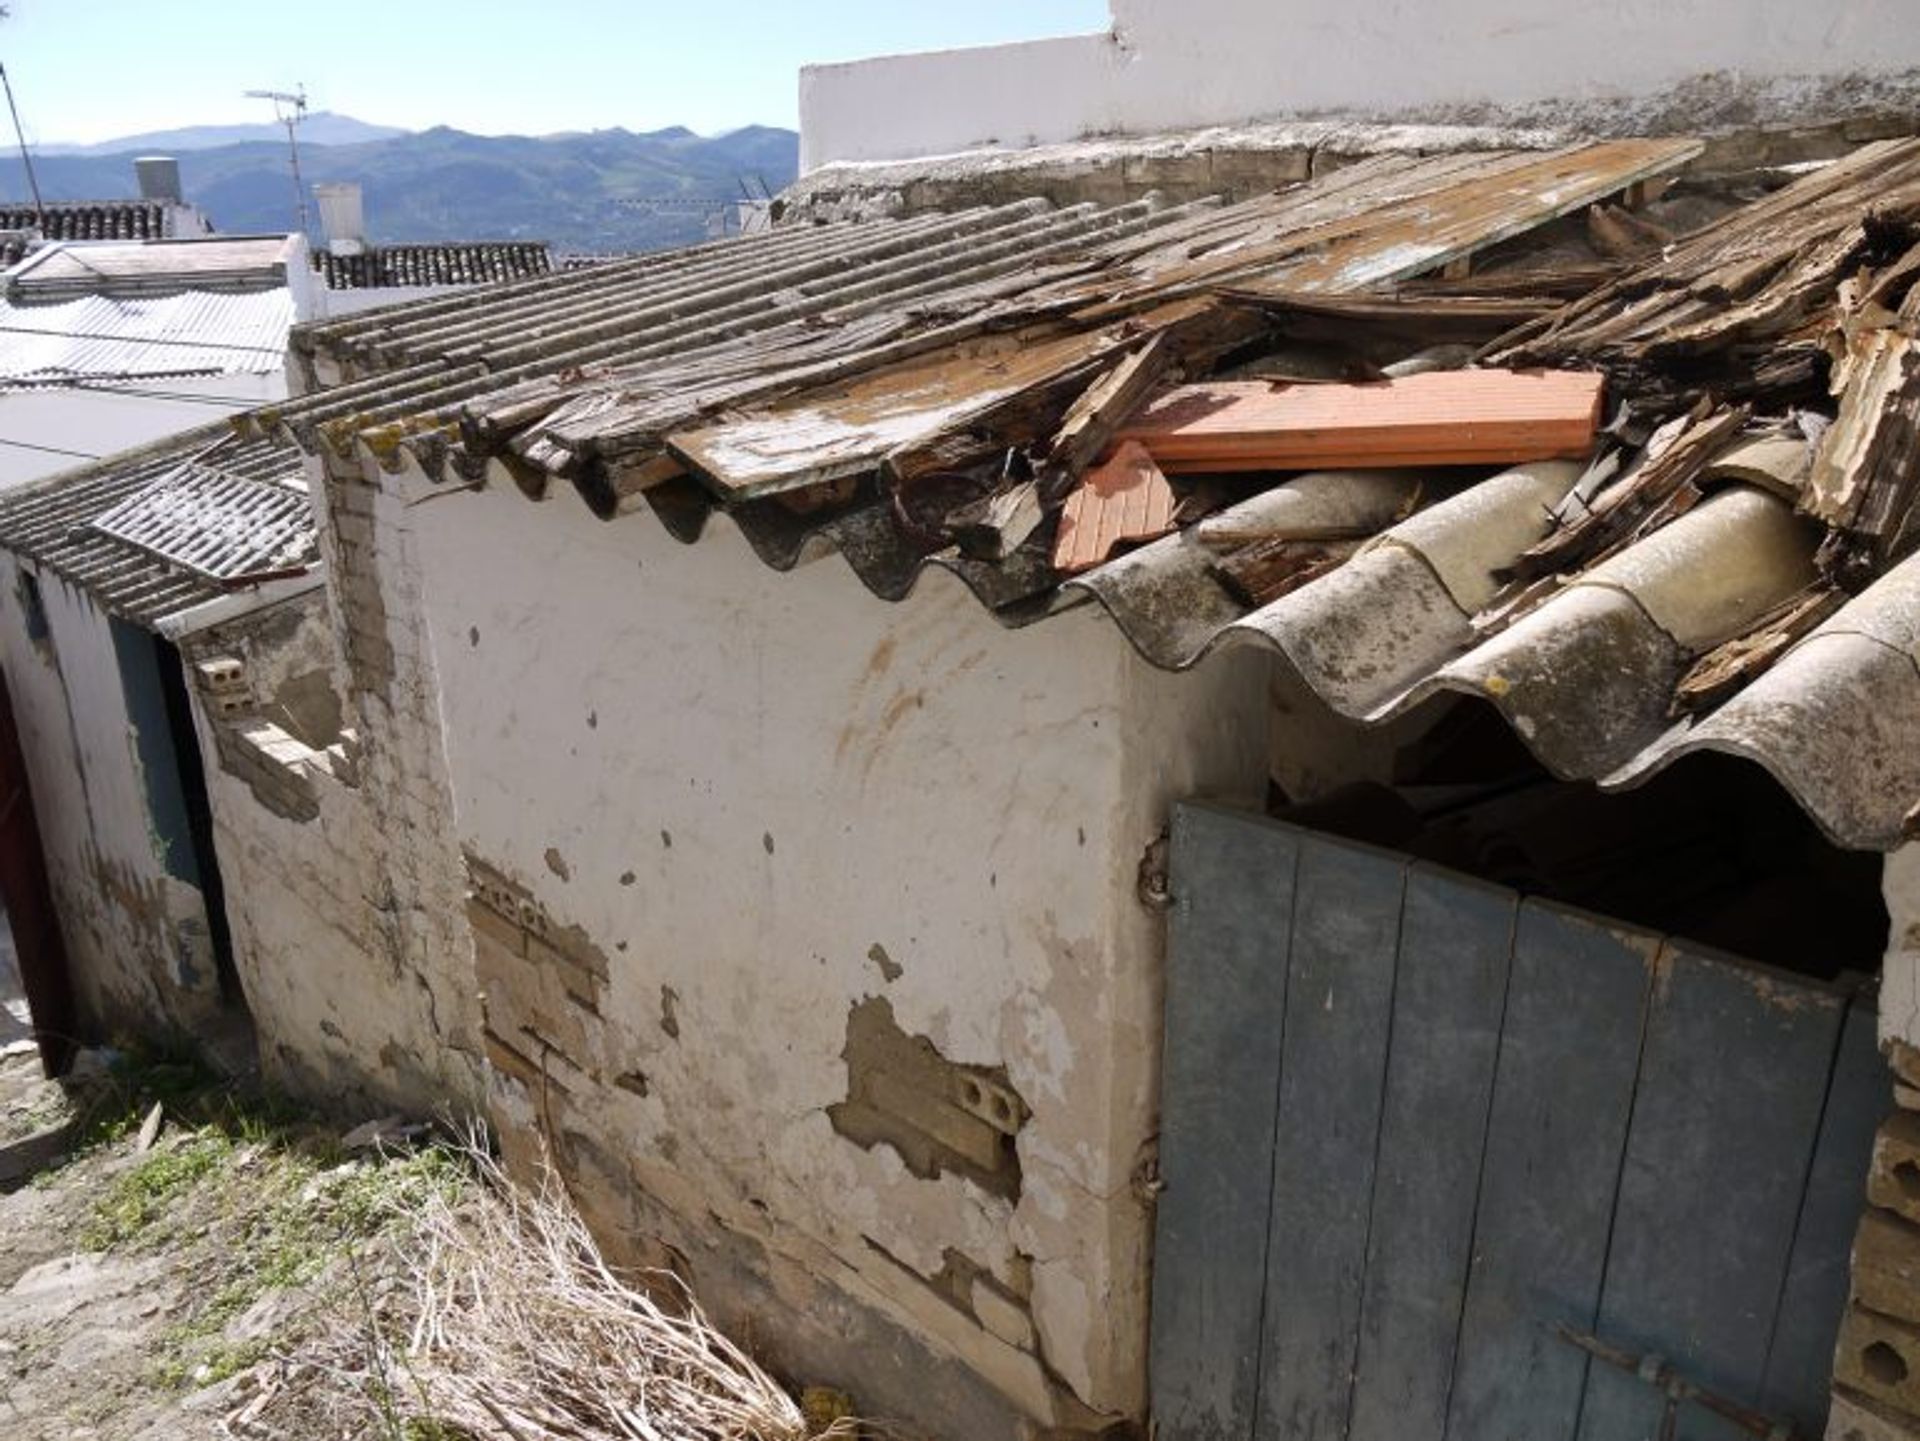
(1860, 1096)
(1563, 1092)
(849, 430)
(1456, 937)
(1333, 1060)
(1733, 1077)
(1228, 938)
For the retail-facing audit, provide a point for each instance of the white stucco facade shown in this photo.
(1215, 62)
(764, 799)
(46, 430)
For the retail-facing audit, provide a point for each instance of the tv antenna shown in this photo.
(290, 108)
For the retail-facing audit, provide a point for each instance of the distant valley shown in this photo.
(443, 184)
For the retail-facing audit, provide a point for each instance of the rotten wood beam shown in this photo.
(1618, 512)
(1261, 573)
(1735, 664)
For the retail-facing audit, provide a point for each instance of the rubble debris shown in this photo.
(1461, 417)
(1735, 303)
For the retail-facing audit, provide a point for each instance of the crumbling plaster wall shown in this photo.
(337, 1014)
(402, 997)
(1648, 65)
(720, 808)
(137, 939)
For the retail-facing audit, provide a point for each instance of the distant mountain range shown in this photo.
(322, 127)
(444, 184)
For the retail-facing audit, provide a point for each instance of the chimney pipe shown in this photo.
(341, 218)
(159, 178)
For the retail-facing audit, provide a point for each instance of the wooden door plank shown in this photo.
(1732, 1082)
(1456, 938)
(1563, 1091)
(1800, 1360)
(1332, 1072)
(1232, 876)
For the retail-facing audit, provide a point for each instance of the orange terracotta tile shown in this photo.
(1125, 499)
(1455, 417)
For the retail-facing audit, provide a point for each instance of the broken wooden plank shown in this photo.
(1863, 474)
(1757, 276)
(1263, 572)
(1125, 499)
(1480, 205)
(852, 428)
(1435, 418)
(997, 525)
(1735, 664)
(1088, 426)
(1619, 510)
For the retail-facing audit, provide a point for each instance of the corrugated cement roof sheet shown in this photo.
(505, 390)
(54, 522)
(99, 339)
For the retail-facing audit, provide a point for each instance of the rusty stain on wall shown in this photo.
(938, 1115)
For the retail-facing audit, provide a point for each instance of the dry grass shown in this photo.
(495, 1316)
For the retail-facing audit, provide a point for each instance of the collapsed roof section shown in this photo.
(1725, 566)
(191, 529)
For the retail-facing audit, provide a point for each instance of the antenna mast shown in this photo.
(26, 160)
(290, 108)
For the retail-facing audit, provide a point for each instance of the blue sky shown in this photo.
(88, 70)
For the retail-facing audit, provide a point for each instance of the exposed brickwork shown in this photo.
(392, 751)
(1876, 1371)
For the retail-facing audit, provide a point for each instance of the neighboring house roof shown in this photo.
(845, 387)
(391, 266)
(155, 533)
(102, 339)
(83, 220)
(226, 262)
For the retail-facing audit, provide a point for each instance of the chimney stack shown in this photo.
(341, 218)
(159, 178)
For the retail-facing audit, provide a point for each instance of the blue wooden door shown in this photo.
(1416, 1129)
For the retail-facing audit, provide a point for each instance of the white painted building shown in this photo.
(1673, 67)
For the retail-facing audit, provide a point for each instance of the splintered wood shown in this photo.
(1463, 417)
(1738, 301)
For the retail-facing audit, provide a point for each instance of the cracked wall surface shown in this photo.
(344, 890)
(138, 941)
(764, 802)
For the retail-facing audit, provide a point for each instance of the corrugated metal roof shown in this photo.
(103, 339)
(218, 262)
(480, 262)
(54, 522)
(587, 376)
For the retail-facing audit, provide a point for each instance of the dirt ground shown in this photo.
(143, 1293)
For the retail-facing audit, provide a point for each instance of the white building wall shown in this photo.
(1213, 62)
(767, 797)
(137, 937)
(336, 1014)
(46, 431)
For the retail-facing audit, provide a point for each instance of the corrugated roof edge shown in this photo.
(1858, 807)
